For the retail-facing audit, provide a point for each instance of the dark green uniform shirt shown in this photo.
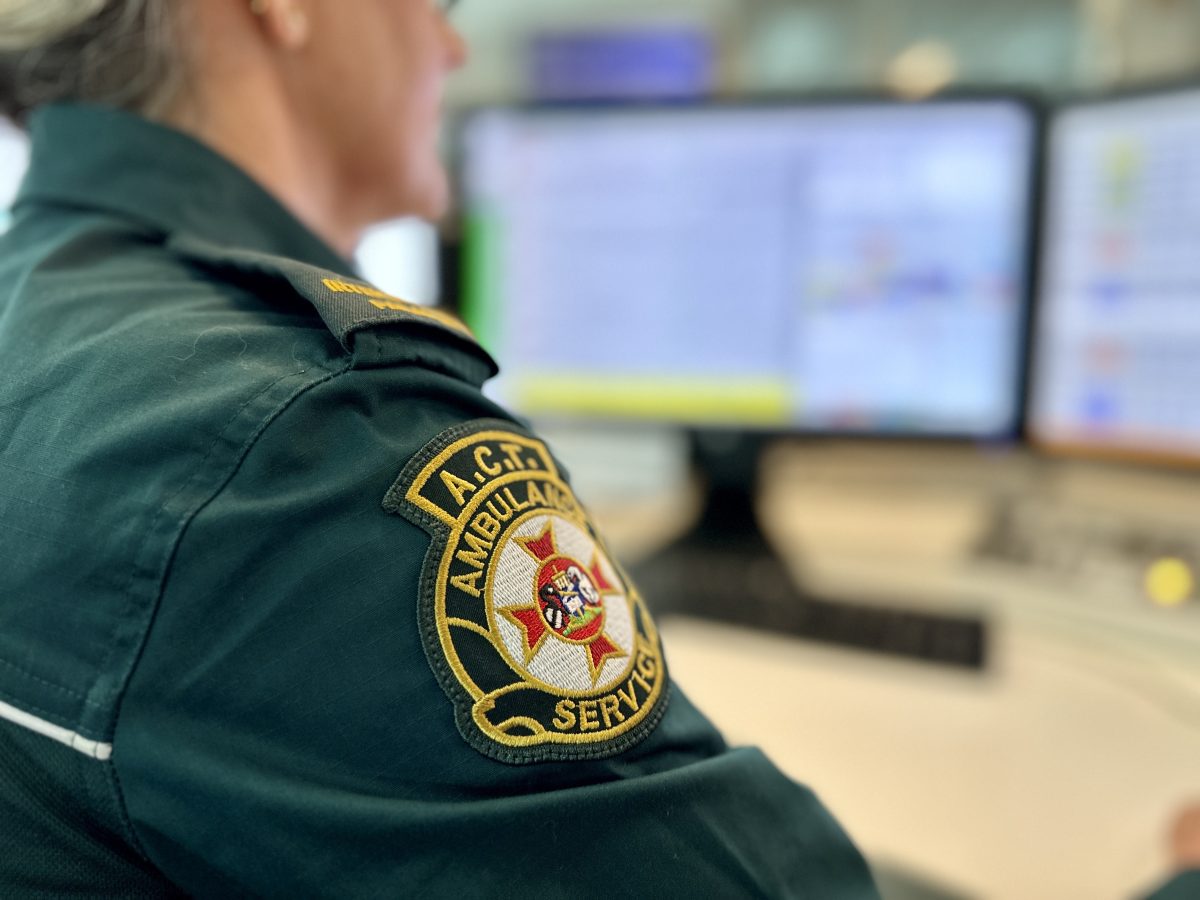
(287, 607)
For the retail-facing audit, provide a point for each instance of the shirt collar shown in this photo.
(93, 157)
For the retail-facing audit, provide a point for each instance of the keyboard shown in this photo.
(752, 587)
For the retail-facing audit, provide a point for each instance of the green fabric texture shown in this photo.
(199, 571)
(51, 843)
(1185, 886)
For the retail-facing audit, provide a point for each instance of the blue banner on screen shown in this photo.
(654, 63)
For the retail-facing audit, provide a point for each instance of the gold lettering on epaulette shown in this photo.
(363, 290)
(390, 303)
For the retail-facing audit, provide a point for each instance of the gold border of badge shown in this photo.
(473, 489)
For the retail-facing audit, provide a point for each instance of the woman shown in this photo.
(270, 610)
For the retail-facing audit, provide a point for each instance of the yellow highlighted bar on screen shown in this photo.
(750, 402)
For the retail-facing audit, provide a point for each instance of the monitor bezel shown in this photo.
(1118, 454)
(1012, 435)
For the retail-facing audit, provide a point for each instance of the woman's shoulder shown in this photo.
(128, 316)
(84, 275)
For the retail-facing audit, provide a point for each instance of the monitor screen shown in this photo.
(1117, 361)
(855, 268)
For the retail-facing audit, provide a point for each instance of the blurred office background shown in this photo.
(805, 45)
(1053, 767)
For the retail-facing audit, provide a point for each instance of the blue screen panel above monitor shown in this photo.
(664, 62)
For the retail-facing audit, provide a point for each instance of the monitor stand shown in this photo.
(725, 568)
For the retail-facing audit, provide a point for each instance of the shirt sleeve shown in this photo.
(287, 731)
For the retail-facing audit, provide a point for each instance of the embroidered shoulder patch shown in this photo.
(537, 637)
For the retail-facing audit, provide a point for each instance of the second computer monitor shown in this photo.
(1117, 363)
(852, 268)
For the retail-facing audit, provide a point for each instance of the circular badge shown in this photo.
(545, 649)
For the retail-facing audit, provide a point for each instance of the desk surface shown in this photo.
(1053, 775)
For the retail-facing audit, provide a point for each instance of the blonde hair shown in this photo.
(26, 24)
(120, 53)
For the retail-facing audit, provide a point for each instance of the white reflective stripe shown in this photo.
(94, 749)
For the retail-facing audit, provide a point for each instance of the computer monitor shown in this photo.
(836, 268)
(851, 268)
(1117, 359)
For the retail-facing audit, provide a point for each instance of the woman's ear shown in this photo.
(286, 22)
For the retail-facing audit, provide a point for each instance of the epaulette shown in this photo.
(347, 305)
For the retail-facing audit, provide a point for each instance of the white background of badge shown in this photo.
(557, 662)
